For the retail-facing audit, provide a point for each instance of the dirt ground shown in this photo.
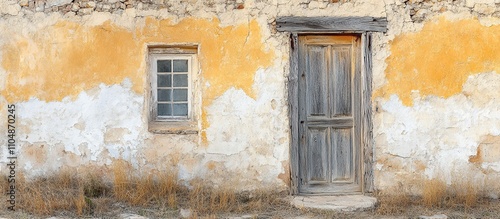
(68, 195)
(484, 209)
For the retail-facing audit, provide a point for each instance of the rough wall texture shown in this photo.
(77, 72)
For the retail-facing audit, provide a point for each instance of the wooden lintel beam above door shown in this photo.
(331, 24)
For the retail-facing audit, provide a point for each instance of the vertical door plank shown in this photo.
(302, 113)
(293, 106)
(367, 143)
(357, 103)
(316, 80)
(318, 155)
(342, 155)
(342, 81)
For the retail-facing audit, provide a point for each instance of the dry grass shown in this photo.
(209, 201)
(88, 194)
(73, 194)
(434, 193)
(47, 195)
(466, 194)
(164, 189)
(145, 189)
(393, 204)
(461, 196)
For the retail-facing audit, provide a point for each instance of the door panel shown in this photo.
(342, 155)
(318, 155)
(317, 93)
(342, 83)
(329, 150)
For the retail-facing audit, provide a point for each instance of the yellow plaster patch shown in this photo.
(68, 58)
(438, 59)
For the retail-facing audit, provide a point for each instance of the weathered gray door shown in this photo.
(329, 114)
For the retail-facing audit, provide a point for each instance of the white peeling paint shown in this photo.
(95, 112)
(441, 133)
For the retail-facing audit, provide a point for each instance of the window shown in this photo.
(172, 72)
(172, 87)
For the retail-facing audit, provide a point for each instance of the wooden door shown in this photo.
(329, 111)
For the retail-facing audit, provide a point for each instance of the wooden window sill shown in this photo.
(173, 127)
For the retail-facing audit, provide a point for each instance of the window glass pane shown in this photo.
(164, 109)
(164, 80)
(180, 65)
(164, 65)
(164, 94)
(181, 80)
(180, 109)
(180, 95)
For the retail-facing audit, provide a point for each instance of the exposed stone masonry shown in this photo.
(417, 9)
(84, 7)
(420, 9)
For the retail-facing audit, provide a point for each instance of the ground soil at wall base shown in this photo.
(88, 195)
(484, 209)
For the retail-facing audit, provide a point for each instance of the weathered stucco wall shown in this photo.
(77, 72)
(436, 96)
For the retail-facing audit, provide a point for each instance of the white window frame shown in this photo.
(154, 88)
(173, 124)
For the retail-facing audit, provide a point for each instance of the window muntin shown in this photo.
(172, 92)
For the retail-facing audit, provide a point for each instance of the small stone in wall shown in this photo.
(90, 5)
(484, 9)
(51, 3)
(420, 15)
(65, 9)
(106, 8)
(470, 3)
(12, 9)
(23, 3)
(85, 11)
(31, 5)
(98, 7)
(39, 6)
(75, 7)
(129, 2)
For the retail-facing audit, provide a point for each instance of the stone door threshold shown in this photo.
(335, 202)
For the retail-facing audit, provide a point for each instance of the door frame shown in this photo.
(354, 184)
(364, 26)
